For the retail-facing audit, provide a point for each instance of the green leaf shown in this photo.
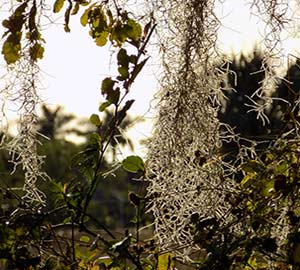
(113, 96)
(123, 58)
(137, 69)
(104, 105)
(95, 139)
(67, 220)
(282, 167)
(268, 187)
(119, 34)
(135, 31)
(252, 166)
(75, 9)
(95, 120)
(107, 85)
(107, 88)
(101, 39)
(11, 52)
(84, 19)
(133, 164)
(56, 187)
(122, 113)
(165, 261)
(248, 180)
(58, 5)
(123, 72)
(85, 239)
(67, 28)
(133, 59)
(36, 51)
(31, 20)
(67, 18)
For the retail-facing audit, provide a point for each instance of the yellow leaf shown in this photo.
(58, 5)
(248, 180)
(85, 16)
(85, 239)
(11, 51)
(165, 261)
(101, 40)
(82, 264)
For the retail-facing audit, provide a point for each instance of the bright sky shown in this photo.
(73, 66)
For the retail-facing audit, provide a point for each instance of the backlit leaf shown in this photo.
(85, 239)
(165, 261)
(67, 18)
(123, 58)
(104, 105)
(252, 166)
(101, 39)
(119, 34)
(95, 120)
(75, 9)
(11, 51)
(85, 16)
(107, 85)
(36, 51)
(135, 31)
(122, 113)
(113, 96)
(123, 72)
(58, 5)
(133, 164)
(137, 69)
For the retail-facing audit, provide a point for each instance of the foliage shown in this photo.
(52, 124)
(264, 209)
(100, 126)
(67, 233)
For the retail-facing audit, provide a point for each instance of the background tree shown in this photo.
(244, 80)
(286, 105)
(52, 123)
(120, 139)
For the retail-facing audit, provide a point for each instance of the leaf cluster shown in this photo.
(266, 202)
(21, 23)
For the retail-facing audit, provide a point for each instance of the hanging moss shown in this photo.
(187, 176)
(22, 84)
(183, 166)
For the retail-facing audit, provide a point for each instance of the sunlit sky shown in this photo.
(73, 66)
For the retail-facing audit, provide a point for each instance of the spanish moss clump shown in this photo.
(23, 147)
(275, 16)
(184, 169)
(21, 88)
